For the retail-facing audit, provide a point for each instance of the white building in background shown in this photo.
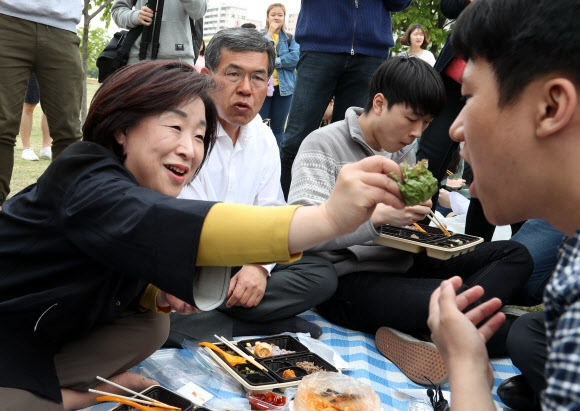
(222, 15)
(291, 20)
(258, 23)
(233, 13)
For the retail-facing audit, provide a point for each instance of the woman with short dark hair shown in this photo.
(416, 38)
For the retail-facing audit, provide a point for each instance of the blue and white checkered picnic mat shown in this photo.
(358, 349)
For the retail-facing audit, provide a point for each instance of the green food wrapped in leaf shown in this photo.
(418, 184)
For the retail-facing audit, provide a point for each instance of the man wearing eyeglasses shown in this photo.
(244, 167)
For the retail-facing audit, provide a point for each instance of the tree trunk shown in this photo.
(87, 17)
(85, 57)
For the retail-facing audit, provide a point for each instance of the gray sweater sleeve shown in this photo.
(124, 15)
(127, 17)
(195, 9)
(314, 174)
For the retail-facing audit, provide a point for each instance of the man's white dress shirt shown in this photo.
(247, 173)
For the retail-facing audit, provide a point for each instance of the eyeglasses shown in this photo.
(236, 76)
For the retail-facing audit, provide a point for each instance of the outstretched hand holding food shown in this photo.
(359, 188)
(418, 184)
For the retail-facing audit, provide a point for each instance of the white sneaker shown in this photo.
(46, 153)
(29, 154)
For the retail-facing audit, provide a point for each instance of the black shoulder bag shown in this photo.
(116, 53)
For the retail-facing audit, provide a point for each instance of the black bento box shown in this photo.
(162, 394)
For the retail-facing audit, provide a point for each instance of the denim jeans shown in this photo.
(319, 78)
(276, 109)
(543, 242)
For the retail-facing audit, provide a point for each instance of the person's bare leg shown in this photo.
(46, 139)
(46, 150)
(26, 124)
(76, 400)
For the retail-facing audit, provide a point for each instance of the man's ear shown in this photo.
(205, 70)
(379, 103)
(557, 107)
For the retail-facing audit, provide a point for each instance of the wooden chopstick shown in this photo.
(418, 227)
(131, 399)
(132, 404)
(438, 223)
(155, 402)
(241, 353)
(441, 225)
(449, 173)
(443, 228)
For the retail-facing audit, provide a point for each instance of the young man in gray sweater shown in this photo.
(381, 289)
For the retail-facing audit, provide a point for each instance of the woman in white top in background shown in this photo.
(416, 38)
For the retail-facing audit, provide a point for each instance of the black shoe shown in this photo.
(516, 393)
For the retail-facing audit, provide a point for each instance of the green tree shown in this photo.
(427, 14)
(91, 9)
(98, 39)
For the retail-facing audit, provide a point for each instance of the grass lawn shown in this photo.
(27, 172)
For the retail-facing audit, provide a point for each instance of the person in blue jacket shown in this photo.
(342, 43)
(277, 105)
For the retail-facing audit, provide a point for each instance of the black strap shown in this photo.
(196, 35)
(146, 36)
(127, 42)
(151, 33)
(157, 29)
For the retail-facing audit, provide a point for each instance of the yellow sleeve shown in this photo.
(148, 300)
(237, 234)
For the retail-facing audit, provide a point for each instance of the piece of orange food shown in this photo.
(317, 403)
(262, 350)
(288, 374)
